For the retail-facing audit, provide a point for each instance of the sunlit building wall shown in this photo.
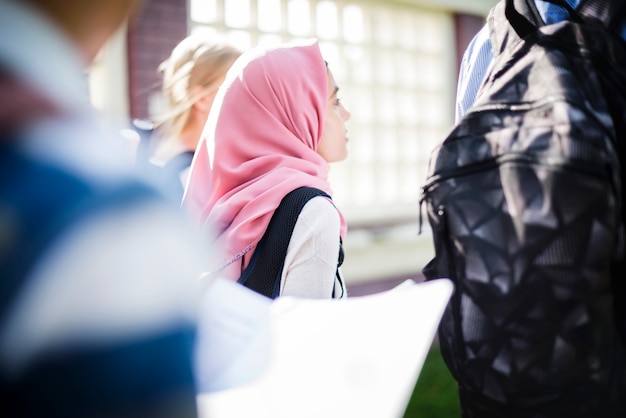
(396, 63)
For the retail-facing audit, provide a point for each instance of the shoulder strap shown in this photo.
(266, 266)
(609, 12)
(510, 21)
(524, 19)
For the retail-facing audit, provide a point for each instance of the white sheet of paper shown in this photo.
(233, 341)
(359, 357)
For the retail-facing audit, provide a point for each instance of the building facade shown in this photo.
(397, 64)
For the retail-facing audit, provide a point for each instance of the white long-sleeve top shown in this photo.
(310, 269)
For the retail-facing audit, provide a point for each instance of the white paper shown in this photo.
(233, 342)
(358, 357)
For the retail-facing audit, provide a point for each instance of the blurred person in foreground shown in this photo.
(98, 274)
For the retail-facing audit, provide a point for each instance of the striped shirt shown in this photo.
(478, 56)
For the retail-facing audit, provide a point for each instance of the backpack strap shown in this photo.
(513, 20)
(266, 266)
(510, 21)
(523, 16)
(609, 12)
(525, 19)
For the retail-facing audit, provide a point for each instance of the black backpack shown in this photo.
(524, 198)
(265, 269)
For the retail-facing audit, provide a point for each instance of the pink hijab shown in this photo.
(262, 132)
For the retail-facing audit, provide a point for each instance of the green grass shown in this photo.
(435, 394)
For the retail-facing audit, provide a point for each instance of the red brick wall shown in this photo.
(466, 27)
(152, 35)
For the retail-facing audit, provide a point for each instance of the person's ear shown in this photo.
(203, 105)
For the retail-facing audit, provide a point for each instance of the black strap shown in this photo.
(522, 17)
(525, 18)
(266, 266)
(609, 12)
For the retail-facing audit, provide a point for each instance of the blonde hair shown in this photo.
(194, 69)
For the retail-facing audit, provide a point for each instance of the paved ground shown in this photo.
(375, 286)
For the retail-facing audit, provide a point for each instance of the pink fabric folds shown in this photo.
(262, 133)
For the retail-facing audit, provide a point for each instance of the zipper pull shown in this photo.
(419, 209)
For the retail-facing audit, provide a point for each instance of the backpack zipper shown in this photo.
(601, 172)
(560, 163)
(455, 306)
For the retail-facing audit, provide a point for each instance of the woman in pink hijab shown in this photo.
(275, 125)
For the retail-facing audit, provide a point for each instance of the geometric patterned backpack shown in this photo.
(525, 201)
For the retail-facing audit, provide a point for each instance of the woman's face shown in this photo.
(333, 143)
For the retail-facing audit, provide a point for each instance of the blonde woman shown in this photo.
(191, 76)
